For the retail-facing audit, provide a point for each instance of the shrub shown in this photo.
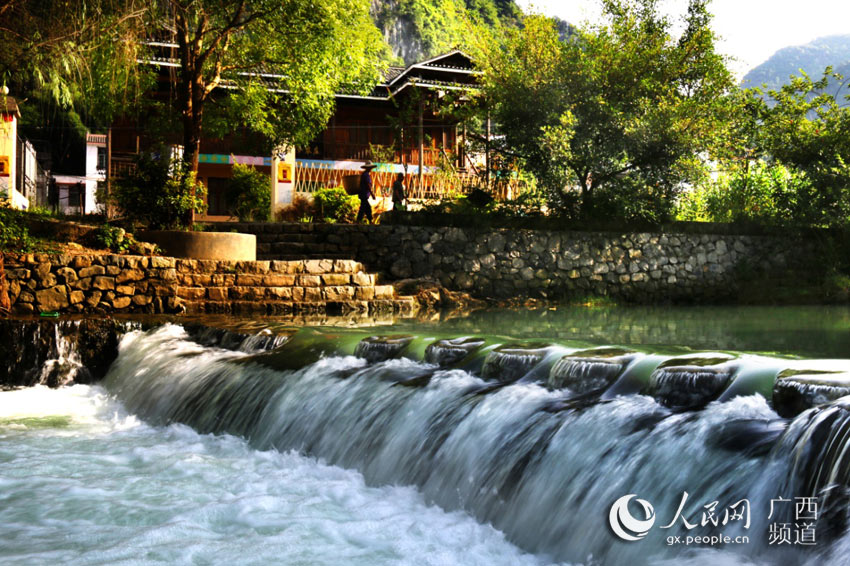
(765, 193)
(160, 192)
(249, 194)
(112, 238)
(14, 234)
(299, 210)
(334, 204)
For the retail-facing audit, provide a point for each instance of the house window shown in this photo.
(101, 159)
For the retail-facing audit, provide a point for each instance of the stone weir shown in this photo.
(103, 284)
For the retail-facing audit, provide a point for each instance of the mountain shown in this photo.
(419, 29)
(812, 58)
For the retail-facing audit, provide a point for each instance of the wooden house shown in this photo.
(394, 125)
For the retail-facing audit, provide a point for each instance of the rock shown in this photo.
(91, 271)
(158, 262)
(66, 274)
(380, 348)
(452, 351)
(401, 269)
(93, 299)
(41, 270)
(125, 289)
(589, 370)
(691, 382)
(53, 299)
(143, 248)
(129, 275)
(511, 362)
(798, 390)
(104, 283)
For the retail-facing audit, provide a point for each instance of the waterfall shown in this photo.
(507, 450)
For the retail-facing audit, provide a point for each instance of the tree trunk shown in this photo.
(586, 189)
(191, 92)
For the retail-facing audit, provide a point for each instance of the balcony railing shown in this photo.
(96, 139)
(361, 152)
(121, 166)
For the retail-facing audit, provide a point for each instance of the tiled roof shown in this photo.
(395, 78)
(392, 72)
(9, 105)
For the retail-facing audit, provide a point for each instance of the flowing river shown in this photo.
(586, 437)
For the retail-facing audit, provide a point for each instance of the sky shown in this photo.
(750, 30)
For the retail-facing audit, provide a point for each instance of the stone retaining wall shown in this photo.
(116, 283)
(502, 263)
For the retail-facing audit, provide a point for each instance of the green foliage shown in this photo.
(763, 193)
(619, 111)
(314, 48)
(810, 133)
(80, 55)
(113, 238)
(432, 27)
(787, 161)
(160, 192)
(14, 234)
(249, 194)
(382, 153)
(335, 205)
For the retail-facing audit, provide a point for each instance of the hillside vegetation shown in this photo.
(418, 29)
(811, 58)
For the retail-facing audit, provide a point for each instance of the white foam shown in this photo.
(120, 494)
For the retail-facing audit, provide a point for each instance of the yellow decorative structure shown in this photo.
(283, 177)
(9, 115)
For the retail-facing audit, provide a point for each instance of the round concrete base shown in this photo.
(203, 245)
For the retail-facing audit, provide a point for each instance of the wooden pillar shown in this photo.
(463, 148)
(332, 155)
(421, 146)
(487, 153)
(110, 211)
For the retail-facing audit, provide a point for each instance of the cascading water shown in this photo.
(334, 446)
(528, 460)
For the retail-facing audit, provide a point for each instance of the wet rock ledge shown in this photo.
(58, 352)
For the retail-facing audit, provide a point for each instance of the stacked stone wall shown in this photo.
(505, 263)
(117, 283)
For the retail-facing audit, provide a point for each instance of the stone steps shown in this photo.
(113, 283)
(293, 293)
(399, 305)
(293, 246)
(295, 257)
(296, 286)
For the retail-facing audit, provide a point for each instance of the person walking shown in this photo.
(399, 195)
(365, 192)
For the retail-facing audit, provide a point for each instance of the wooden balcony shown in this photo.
(122, 165)
(362, 152)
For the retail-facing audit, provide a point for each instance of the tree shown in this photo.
(279, 63)
(621, 110)
(76, 55)
(808, 130)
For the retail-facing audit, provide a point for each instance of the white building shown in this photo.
(77, 194)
